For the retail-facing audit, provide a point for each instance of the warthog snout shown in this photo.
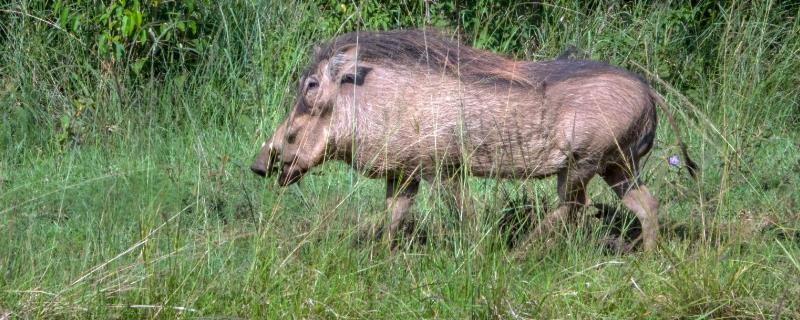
(265, 162)
(290, 174)
(286, 152)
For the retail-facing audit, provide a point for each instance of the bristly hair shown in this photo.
(428, 49)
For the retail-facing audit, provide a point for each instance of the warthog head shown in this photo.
(303, 140)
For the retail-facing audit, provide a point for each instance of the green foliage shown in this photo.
(135, 32)
(511, 32)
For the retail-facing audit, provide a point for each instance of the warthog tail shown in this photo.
(691, 166)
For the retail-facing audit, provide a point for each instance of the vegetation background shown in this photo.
(127, 128)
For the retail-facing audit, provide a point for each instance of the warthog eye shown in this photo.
(291, 137)
(312, 84)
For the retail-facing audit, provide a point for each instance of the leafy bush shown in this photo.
(512, 30)
(138, 33)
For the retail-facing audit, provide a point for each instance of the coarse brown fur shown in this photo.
(411, 105)
(431, 50)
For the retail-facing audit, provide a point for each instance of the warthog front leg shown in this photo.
(399, 198)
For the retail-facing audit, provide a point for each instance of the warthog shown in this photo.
(413, 105)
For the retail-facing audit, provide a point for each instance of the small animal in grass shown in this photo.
(410, 105)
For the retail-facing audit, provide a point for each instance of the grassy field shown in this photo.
(125, 190)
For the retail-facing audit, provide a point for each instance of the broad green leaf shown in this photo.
(127, 26)
(76, 23)
(65, 121)
(192, 26)
(137, 66)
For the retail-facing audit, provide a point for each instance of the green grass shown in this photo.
(128, 196)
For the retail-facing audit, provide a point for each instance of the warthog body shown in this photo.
(411, 106)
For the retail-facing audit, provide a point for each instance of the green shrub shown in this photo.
(138, 33)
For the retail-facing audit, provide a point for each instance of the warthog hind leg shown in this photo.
(637, 198)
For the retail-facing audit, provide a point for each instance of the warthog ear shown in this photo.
(358, 77)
